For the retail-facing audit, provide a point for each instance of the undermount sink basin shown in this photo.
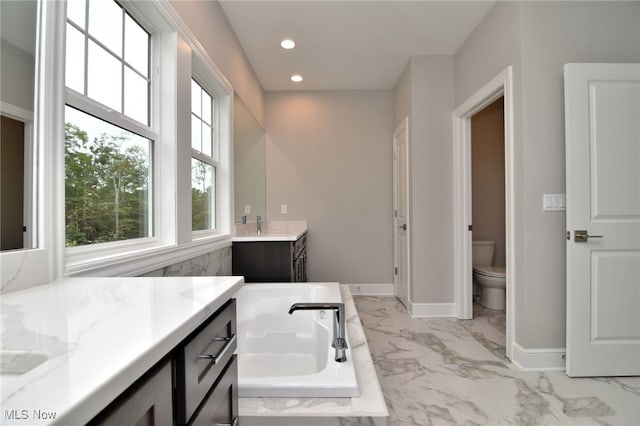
(17, 362)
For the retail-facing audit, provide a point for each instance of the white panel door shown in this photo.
(602, 123)
(401, 211)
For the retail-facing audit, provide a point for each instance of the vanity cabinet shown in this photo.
(196, 384)
(146, 402)
(206, 372)
(271, 261)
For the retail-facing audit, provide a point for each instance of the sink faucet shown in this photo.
(339, 320)
(259, 225)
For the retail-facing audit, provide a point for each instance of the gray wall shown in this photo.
(425, 93)
(538, 38)
(17, 77)
(487, 177)
(209, 24)
(329, 159)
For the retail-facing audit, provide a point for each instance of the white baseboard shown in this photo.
(432, 310)
(372, 289)
(547, 359)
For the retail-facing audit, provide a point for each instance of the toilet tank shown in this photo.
(482, 253)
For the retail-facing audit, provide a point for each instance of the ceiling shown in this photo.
(349, 44)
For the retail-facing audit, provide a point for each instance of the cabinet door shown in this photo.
(221, 405)
(263, 261)
(148, 403)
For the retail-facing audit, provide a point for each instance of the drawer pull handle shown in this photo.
(223, 350)
(233, 423)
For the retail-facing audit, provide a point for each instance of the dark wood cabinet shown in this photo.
(202, 364)
(147, 402)
(195, 384)
(271, 261)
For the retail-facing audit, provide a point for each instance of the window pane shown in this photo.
(206, 140)
(107, 181)
(196, 98)
(76, 11)
(105, 24)
(203, 178)
(74, 68)
(206, 107)
(136, 95)
(136, 46)
(196, 133)
(105, 77)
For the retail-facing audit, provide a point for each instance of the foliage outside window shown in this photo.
(108, 141)
(203, 164)
(107, 175)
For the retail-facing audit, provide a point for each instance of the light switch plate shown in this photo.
(247, 209)
(283, 209)
(554, 202)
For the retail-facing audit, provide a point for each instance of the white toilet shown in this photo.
(492, 280)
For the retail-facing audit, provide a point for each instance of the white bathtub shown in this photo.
(282, 355)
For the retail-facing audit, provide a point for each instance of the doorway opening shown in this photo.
(488, 218)
(501, 86)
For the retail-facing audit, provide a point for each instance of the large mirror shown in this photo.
(249, 141)
(17, 59)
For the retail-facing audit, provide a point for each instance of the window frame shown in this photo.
(212, 159)
(177, 55)
(78, 259)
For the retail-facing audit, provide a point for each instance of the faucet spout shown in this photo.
(339, 324)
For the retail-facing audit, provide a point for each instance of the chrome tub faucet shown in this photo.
(339, 321)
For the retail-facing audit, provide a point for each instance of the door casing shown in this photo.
(500, 85)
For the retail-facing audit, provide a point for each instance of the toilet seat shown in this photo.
(491, 271)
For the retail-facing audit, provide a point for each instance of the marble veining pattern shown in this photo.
(445, 371)
(214, 264)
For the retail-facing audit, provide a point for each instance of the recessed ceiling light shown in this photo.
(287, 44)
(296, 78)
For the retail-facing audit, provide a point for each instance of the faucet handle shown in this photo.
(340, 343)
(244, 219)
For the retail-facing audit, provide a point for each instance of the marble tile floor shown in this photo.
(446, 371)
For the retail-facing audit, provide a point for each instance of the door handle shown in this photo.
(403, 226)
(583, 236)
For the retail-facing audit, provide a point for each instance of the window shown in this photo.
(109, 140)
(203, 162)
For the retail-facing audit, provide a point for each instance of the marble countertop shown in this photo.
(71, 347)
(369, 408)
(283, 230)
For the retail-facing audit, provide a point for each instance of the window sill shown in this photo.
(137, 262)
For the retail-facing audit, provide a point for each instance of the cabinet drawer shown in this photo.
(202, 360)
(221, 405)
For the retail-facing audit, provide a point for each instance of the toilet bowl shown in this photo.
(492, 280)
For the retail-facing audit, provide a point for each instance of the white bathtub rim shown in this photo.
(335, 380)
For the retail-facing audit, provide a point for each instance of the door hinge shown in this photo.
(568, 235)
(470, 228)
(395, 213)
(395, 271)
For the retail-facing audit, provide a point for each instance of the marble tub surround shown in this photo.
(443, 371)
(277, 230)
(97, 336)
(367, 409)
(214, 264)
